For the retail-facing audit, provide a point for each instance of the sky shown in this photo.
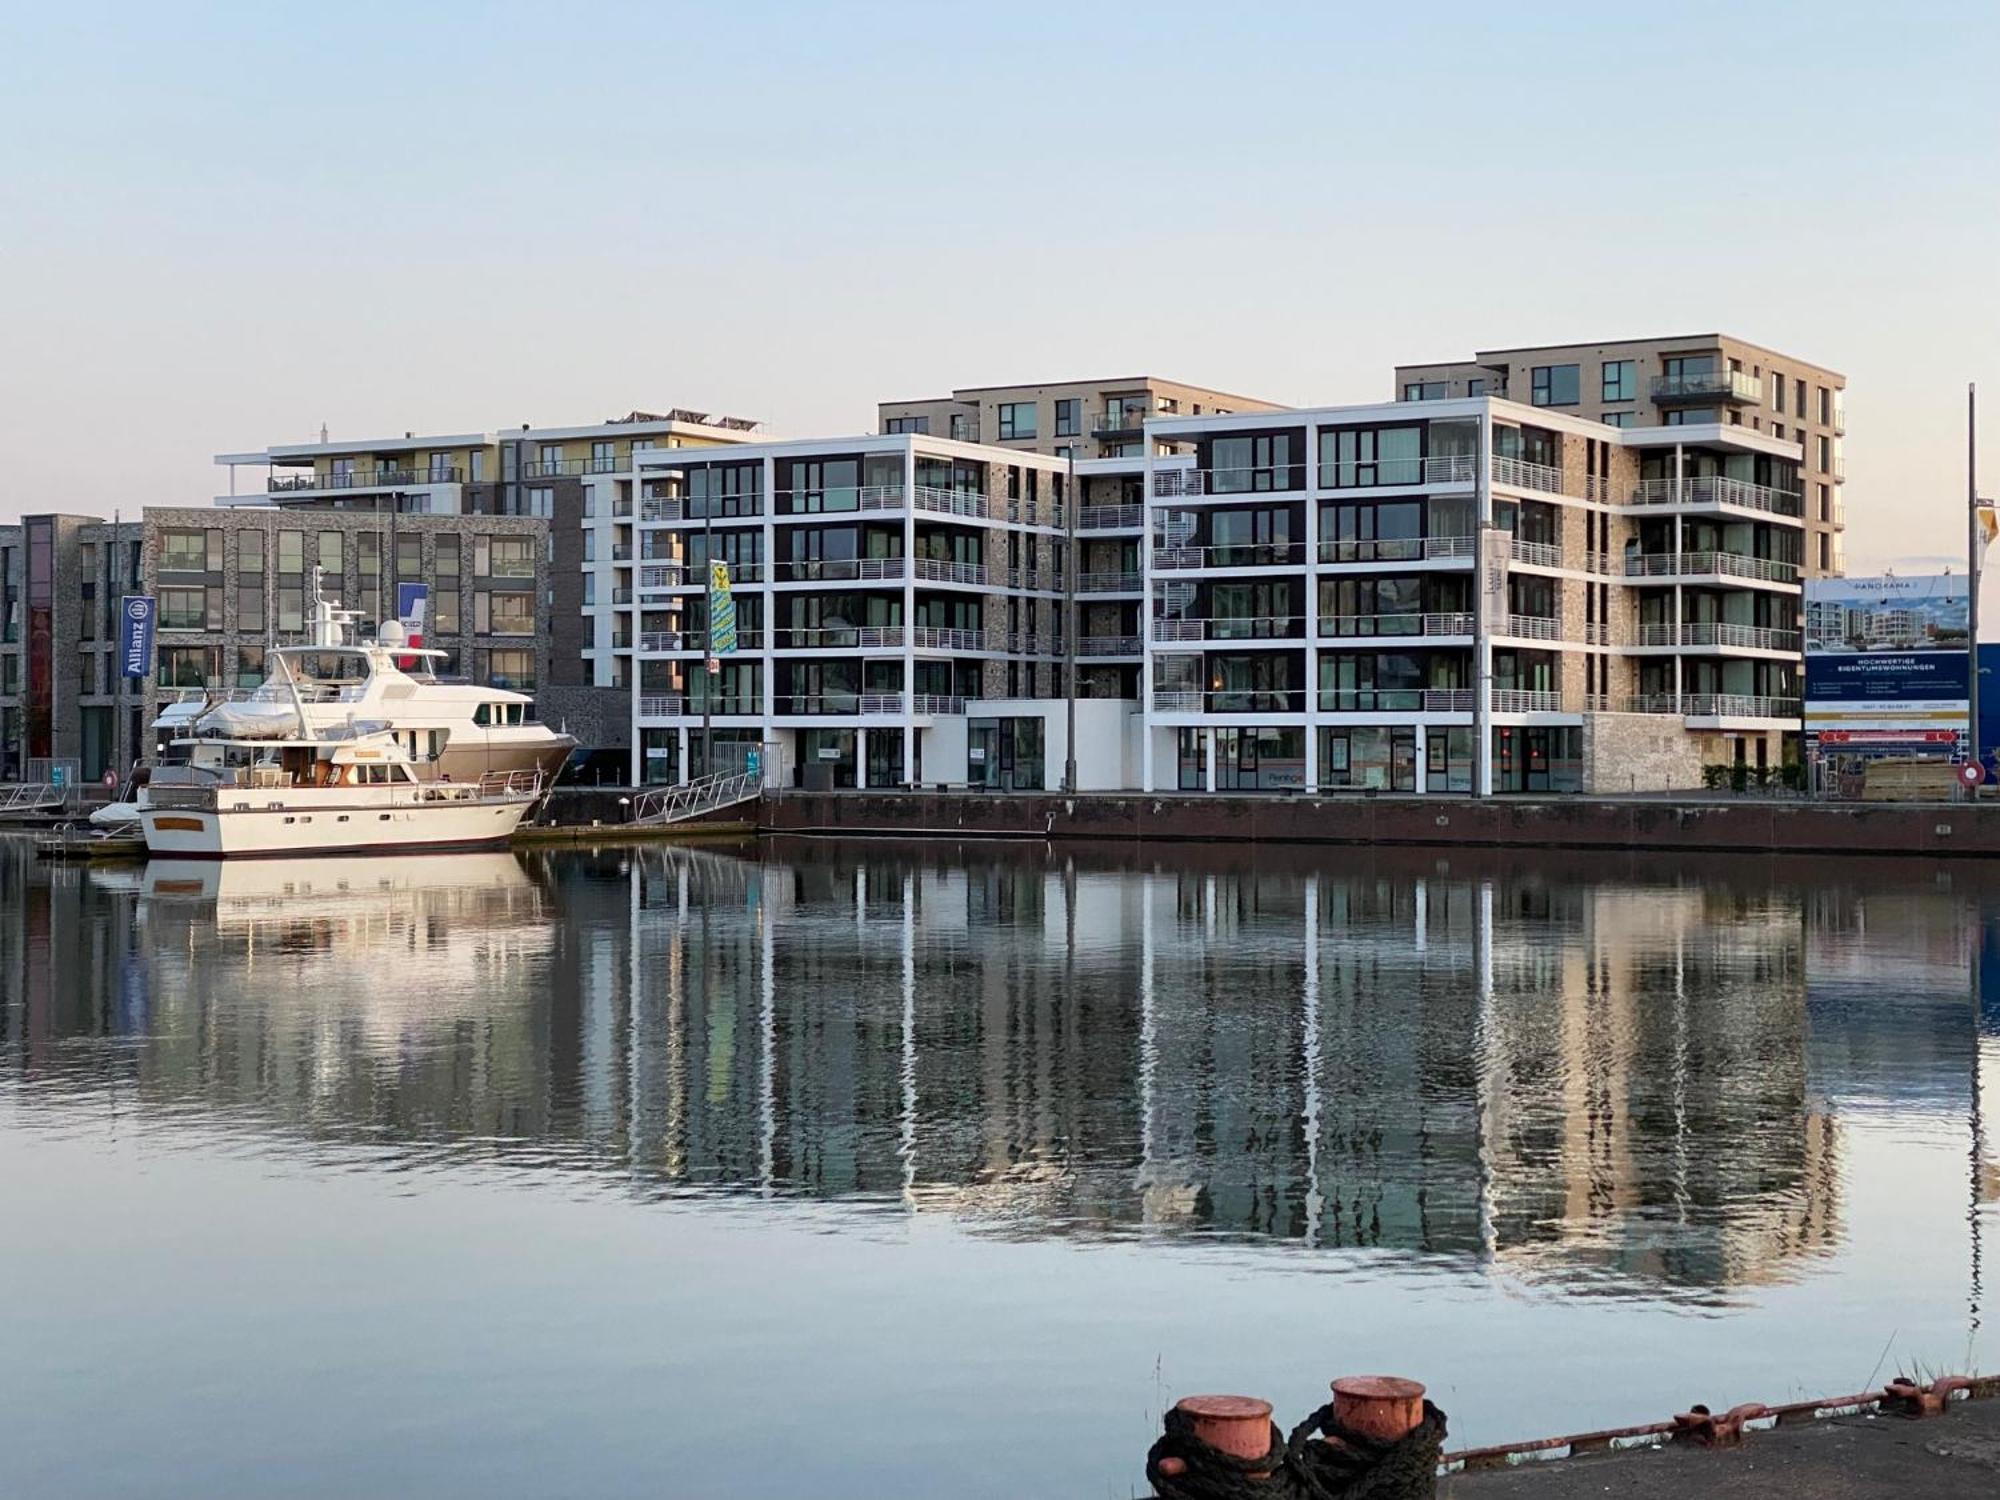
(222, 226)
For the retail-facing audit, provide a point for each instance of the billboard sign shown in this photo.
(721, 611)
(137, 617)
(1886, 663)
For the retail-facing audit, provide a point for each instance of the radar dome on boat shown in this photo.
(391, 633)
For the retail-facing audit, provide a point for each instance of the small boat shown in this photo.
(344, 790)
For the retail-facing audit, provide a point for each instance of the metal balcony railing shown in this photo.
(1229, 701)
(363, 479)
(1529, 627)
(1396, 700)
(1710, 564)
(1445, 468)
(560, 468)
(747, 505)
(948, 638)
(1518, 473)
(1110, 518)
(942, 570)
(1238, 628)
(1714, 705)
(1718, 633)
(1232, 555)
(1109, 645)
(841, 638)
(1526, 701)
(1538, 554)
(1109, 583)
(1714, 489)
(1453, 622)
(1395, 548)
(1230, 484)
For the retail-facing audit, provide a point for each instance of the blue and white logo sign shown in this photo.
(136, 613)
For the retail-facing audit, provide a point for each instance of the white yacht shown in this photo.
(450, 731)
(343, 790)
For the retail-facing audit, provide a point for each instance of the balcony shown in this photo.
(943, 570)
(1285, 628)
(1713, 633)
(1518, 473)
(566, 468)
(948, 638)
(1110, 517)
(1538, 554)
(1711, 564)
(1109, 645)
(1529, 627)
(1715, 490)
(1451, 468)
(1526, 701)
(362, 479)
(1109, 583)
(1229, 484)
(746, 506)
(1237, 555)
(953, 502)
(1396, 700)
(1455, 622)
(1229, 701)
(662, 706)
(1715, 706)
(1700, 387)
(843, 569)
(848, 704)
(1119, 422)
(1396, 549)
(841, 638)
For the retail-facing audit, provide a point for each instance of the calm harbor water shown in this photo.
(864, 1169)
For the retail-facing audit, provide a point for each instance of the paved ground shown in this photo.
(1953, 1457)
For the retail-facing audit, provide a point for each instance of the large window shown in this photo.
(1385, 681)
(1017, 419)
(1621, 380)
(511, 669)
(190, 666)
(1255, 462)
(190, 609)
(1069, 416)
(1390, 530)
(1555, 385)
(1358, 457)
(504, 557)
(250, 605)
(504, 613)
(907, 424)
(1368, 757)
(190, 551)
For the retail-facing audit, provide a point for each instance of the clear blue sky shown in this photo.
(221, 226)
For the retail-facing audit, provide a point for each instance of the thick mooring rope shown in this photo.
(1321, 1461)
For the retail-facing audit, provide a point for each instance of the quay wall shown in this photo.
(1743, 825)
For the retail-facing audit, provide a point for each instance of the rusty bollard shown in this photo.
(1387, 1408)
(1237, 1425)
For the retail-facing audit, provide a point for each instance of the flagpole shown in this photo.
(1972, 550)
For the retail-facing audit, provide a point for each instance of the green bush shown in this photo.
(1714, 777)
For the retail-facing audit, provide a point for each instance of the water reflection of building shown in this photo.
(1552, 1068)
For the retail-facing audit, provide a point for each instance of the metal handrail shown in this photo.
(1450, 622)
(1520, 474)
(1110, 583)
(1109, 645)
(1718, 633)
(1230, 628)
(1718, 489)
(1382, 473)
(674, 804)
(1529, 627)
(1278, 480)
(1232, 555)
(1727, 564)
(1526, 701)
(1110, 517)
(1731, 385)
(1394, 548)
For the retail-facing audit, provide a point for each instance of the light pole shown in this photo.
(711, 664)
(1972, 550)
(1069, 621)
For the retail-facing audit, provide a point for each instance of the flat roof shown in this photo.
(1136, 381)
(1481, 355)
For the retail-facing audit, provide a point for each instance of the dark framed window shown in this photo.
(1555, 385)
(1069, 417)
(1621, 380)
(1017, 419)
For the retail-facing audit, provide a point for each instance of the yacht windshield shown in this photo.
(322, 676)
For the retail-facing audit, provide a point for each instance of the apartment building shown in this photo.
(899, 615)
(1699, 380)
(577, 480)
(1073, 418)
(231, 582)
(1460, 594)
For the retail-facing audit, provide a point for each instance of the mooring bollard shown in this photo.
(1384, 1407)
(1237, 1425)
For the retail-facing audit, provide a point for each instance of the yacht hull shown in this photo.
(353, 828)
